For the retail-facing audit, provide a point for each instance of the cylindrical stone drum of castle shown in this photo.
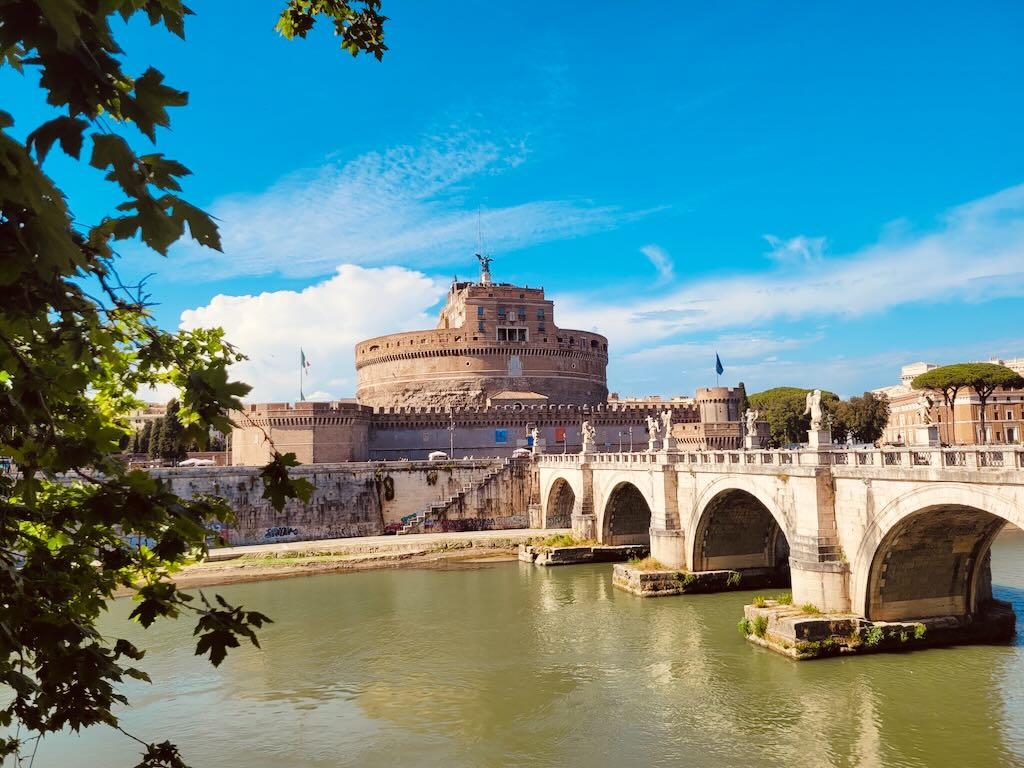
(495, 344)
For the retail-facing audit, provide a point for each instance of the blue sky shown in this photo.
(820, 195)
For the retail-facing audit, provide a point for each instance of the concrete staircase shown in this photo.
(416, 523)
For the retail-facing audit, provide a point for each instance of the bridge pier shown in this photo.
(825, 585)
(669, 547)
(584, 527)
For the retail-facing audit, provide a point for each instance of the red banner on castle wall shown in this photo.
(559, 434)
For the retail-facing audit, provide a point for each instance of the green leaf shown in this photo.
(67, 130)
(278, 486)
(200, 225)
(61, 15)
(152, 97)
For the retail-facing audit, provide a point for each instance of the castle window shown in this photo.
(521, 313)
(512, 334)
(501, 313)
(541, 328)
(540, 313)
(593, 344)
(480, 325)
(479, 311)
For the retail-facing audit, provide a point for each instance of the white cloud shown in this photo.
(661, 261)
(797, 249)
(733, 349)
(325, 320)
(408, 203)
(976, 254)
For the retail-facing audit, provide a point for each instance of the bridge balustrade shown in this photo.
(966, 457)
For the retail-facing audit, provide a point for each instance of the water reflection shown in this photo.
(516, 665)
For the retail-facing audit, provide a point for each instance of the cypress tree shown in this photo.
(170, 445)
(155, 438)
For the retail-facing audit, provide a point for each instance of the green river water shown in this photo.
(510, 664)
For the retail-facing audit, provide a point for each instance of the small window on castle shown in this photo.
(480, 325)
(479, 311)
(521, 312)
(501, 313)
(502, 334)
(540, 313)
(572, 341)
(521, 334)
(593, 344)
(541, 328)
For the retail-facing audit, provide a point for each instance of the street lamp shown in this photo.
(631, 439)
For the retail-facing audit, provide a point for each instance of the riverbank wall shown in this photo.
(364, 498)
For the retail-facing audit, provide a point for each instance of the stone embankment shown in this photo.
(359, 499)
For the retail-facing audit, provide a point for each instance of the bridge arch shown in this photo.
(559, 505)
(556, 490)
(927, 553)
(626, 518)
(737, 525)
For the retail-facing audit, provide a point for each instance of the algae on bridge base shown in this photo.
(584, 552)
(802, 634)
(639, 579)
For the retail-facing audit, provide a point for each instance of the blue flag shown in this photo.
(718, 365)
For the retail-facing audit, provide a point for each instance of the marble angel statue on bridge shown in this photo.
(813, 407)
(589, 437)
(751, 417)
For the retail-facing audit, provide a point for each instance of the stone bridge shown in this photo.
(888, 535)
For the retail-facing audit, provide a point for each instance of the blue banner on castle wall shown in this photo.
(501, 435)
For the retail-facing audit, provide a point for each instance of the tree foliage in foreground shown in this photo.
(982, 378)
(76, 344)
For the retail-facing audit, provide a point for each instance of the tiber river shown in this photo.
(513, 665)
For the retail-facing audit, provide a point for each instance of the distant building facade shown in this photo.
(494, 372)
(909, 418)
(148, 414)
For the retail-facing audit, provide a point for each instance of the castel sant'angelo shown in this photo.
(496, 368)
